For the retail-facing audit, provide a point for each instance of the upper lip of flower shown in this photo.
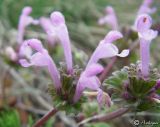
(106, 49)
(143, 24)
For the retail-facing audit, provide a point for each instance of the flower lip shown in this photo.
(27, 10)
(148, 35)
(57, 18)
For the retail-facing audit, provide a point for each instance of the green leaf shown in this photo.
(146, 104)
(116, 80)
(90, 108)
(9, 118)
(140, 87)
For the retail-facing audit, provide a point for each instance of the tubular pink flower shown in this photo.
(143, 24)
(40, 58)
(61, 31)
(110, 18)
(145, 8)
(24, 21)
(106, 49)
(88, 78)
(47, 26)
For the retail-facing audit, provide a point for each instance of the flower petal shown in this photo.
(143, 22)
(27, 10)
(92, 82)
(103, 20)
(25, 50)
(24, 21)
(24, 63)
(94, 69)
(57, 18)
(79, 90)
(46, 24)
(110, 18)
(148, 34)
(113, 36)
(104, 50)
(124, 53)
(35, 44)
(62, 32)
(109, 10)
(39, 59)
(11, 54)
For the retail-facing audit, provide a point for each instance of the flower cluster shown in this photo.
(88, 78)
(57, 32)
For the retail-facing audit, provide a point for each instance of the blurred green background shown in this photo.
(81, 16)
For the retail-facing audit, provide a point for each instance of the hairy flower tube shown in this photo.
(47, 26)
(40, 58)
(110, 18)
(88, 78)
(24, 21)
(145, 8)
(143, 24)
(61, 31)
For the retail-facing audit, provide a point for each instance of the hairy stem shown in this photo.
(106, 117)
(41, 121)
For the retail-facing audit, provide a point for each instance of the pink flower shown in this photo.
(88, 78)
(110, 18)
(145, 8)
(24, 21)
(106, 49)
(40, 58)
(10, 53)
(47, 26)
(61, 31)
(143, 24)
